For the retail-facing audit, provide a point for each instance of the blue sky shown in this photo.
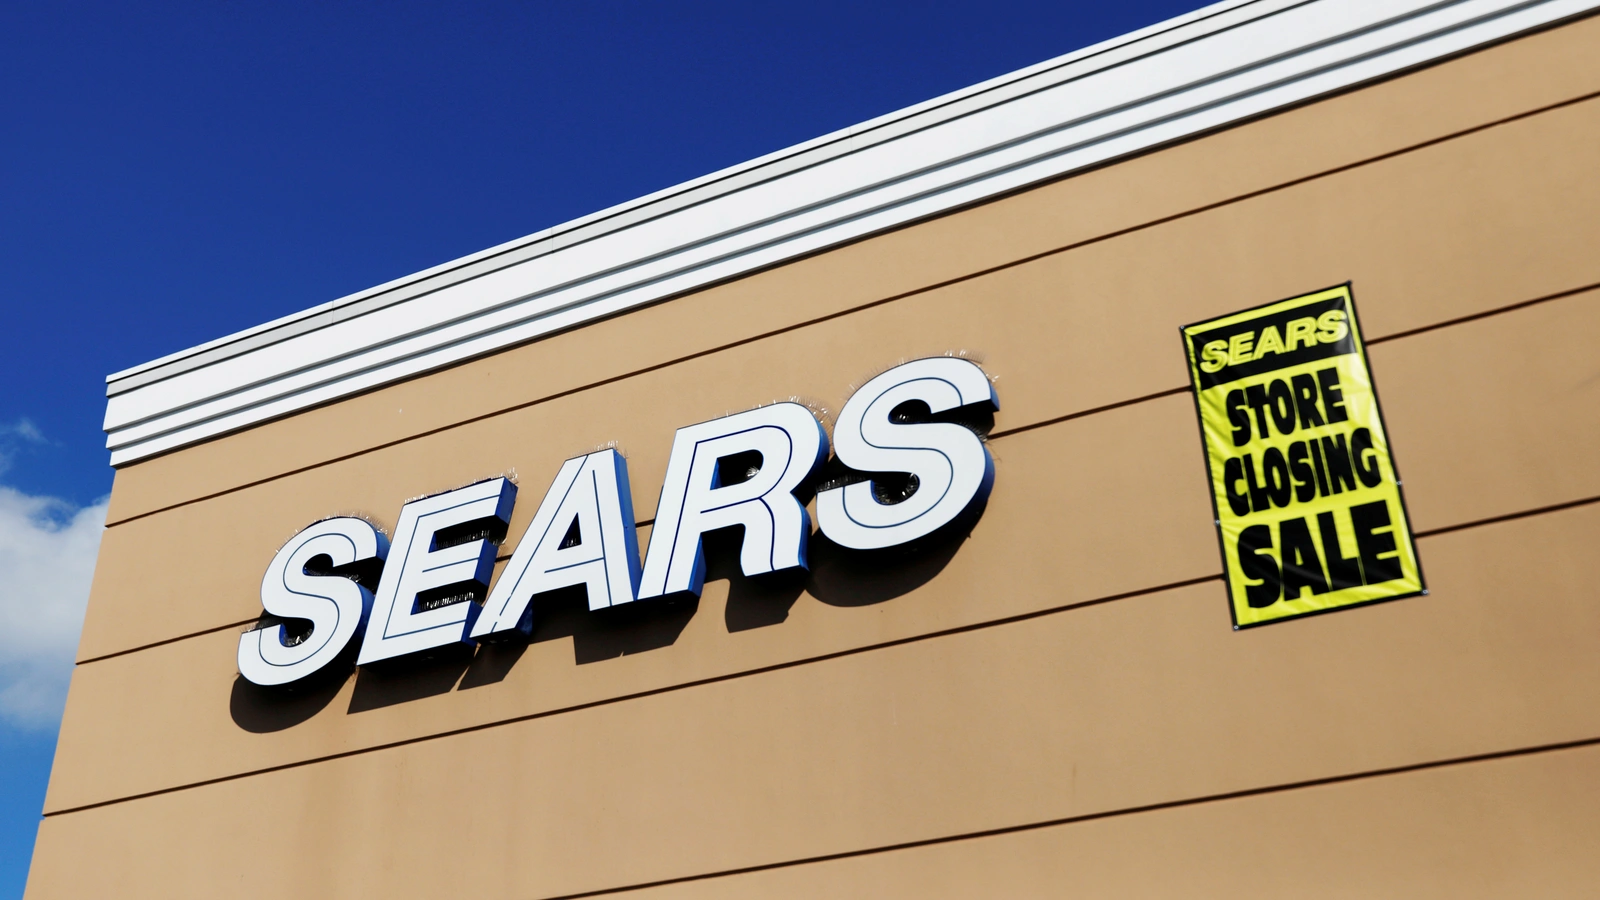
(170, 173)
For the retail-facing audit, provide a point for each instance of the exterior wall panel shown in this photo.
(1128, 513)
(1109, 707)
(1055, 700)
(1520, 827)
(1097, 325)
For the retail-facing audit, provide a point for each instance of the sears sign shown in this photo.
(740, 470)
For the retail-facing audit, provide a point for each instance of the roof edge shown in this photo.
(1216, 66)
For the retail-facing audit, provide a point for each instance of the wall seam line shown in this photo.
(1493, 756)
(172, 640)
(664, 689)
(1056, 420)
(775, 667)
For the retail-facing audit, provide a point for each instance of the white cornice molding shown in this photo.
(1222, 64)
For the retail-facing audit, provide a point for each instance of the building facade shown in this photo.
(1049, 700)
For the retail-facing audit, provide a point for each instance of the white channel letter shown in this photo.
(336, 606)
(420, 571)
(951, 464)
(590, 494)
(697, 498)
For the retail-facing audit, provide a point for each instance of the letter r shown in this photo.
(696, 496)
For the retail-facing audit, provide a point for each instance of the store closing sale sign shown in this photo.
(1308, 502)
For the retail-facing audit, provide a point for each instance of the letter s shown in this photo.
(336, 606)
(950, 463)
(1331, 327)
(1214, 356)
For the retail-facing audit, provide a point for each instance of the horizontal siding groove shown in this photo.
(173, 640)
(1002, 434)
(1508, 517)
(1485, 314)
(1133, 229)
(759, 670)
(1109, 814)
(664, 689)
(192, 629)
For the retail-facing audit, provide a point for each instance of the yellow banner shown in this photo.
(1308, 502)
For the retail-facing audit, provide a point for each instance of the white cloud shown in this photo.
(47, 553)
(14, 436)
(24, 430)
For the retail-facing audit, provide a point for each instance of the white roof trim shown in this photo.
(1221, 64)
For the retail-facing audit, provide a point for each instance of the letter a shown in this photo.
(590, 495)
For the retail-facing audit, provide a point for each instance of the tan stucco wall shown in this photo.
(1057, 701)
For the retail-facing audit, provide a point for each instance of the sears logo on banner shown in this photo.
(341, 580)
(1308, 502)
